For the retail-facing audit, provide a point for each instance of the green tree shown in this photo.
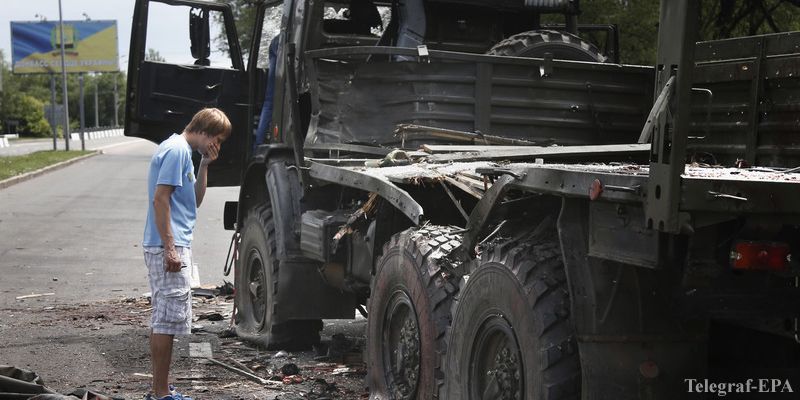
(28, 110)
(244, 16)
(721, 19)
(19, 100)
(104, 82)
(154, 55)
(637, 21)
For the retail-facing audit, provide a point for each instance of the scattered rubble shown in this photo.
(211, 363)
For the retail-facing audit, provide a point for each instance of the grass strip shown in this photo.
(17, 165)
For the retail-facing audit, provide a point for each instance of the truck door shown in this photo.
(184, 56)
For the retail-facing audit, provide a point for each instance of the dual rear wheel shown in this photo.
(510, 337)
(503, 332)
(409, 313)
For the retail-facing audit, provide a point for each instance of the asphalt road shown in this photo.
(77, 232)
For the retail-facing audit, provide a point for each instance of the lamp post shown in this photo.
(96, 107)
(116, 103)
(64, 77)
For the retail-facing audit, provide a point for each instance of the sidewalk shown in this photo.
(27, 146)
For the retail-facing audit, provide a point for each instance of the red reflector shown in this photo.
(761, 256)
(595, 190)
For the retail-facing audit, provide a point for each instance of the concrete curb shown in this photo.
(39, 172)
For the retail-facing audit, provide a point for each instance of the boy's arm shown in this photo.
(202, 173)
(162, 217)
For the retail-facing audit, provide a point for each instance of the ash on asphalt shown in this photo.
(104, 346)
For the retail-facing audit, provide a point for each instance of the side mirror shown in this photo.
(199, 35)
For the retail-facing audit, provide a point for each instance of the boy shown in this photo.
(175, 194)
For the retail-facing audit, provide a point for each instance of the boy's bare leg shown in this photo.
(161, 357)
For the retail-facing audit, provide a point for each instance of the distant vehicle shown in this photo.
(522, 217)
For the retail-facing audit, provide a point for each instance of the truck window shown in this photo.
(355, 17)
(270, 29)
(168, 37)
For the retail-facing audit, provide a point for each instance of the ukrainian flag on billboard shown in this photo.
(89, 46)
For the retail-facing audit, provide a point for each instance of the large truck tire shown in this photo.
(511, 336)
(534, 44)
(409, 313)
(256, 289)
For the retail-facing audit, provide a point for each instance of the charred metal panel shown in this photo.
(753, 114)
(397, 197)
(617, 233)
(361, 99)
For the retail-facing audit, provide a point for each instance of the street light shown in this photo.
(63, 77)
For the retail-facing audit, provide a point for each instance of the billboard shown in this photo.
(89, 46)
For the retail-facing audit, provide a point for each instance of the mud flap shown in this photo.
(622, 313)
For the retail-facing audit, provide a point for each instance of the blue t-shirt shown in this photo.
(172, 165)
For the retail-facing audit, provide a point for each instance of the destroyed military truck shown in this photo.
(517, 215)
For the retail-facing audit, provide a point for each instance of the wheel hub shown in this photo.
(256, 287)
(401, 347)
(495, 368)
(506, 374)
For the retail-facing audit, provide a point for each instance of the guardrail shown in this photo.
(98, 134)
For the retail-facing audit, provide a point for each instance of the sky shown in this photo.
(166, 29)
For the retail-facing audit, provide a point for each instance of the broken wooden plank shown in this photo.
(417, 132)
(442, 148)
(252, 377)
(241, 366)
(464, 187)
(530, 152)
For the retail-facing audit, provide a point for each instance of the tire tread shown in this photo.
(516, 44)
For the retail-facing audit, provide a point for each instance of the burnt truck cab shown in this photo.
(503, 198)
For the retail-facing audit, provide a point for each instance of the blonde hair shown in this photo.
(210, 122)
